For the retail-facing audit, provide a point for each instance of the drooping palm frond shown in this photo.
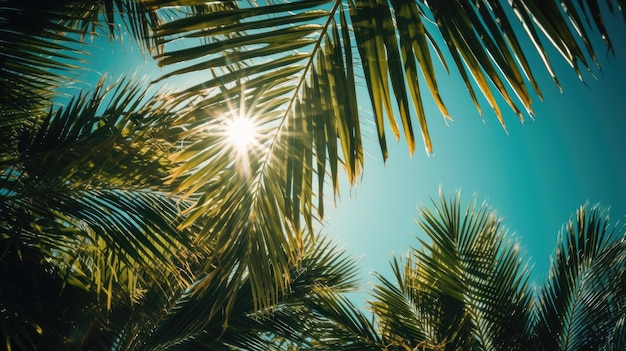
(581, 307)
(292, 68)
(246, 199)
(467, 288)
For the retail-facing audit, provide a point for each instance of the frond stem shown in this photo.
(280, 127)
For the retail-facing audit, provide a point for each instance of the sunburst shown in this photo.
(241, 133)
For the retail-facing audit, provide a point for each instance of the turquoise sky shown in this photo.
(535, 177)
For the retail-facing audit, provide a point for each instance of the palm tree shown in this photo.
(467, 287)
(130, 200)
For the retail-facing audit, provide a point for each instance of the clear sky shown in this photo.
(535, 177)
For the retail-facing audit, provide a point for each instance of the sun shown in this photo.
(241, 133)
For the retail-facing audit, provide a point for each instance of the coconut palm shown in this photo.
(128, 199)
(467, 287)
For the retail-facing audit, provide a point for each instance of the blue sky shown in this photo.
(535, 177)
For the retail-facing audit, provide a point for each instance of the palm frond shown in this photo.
(582, 304)
(102, 253)
(350, 328)
(270, 186)
(83, 185)
(35, 52)
(42, 44)
(396, 308)
(466, 289)
(94, 140)
(203, 320)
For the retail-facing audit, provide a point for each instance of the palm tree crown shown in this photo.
(468, 287)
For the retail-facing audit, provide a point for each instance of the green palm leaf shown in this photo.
(81, 187)
(466, 289)
(581, 306)
(40, 44)
(192, 320)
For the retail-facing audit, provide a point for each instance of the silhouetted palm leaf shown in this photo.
(467, 288)
(40, 44)
(81, 191)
